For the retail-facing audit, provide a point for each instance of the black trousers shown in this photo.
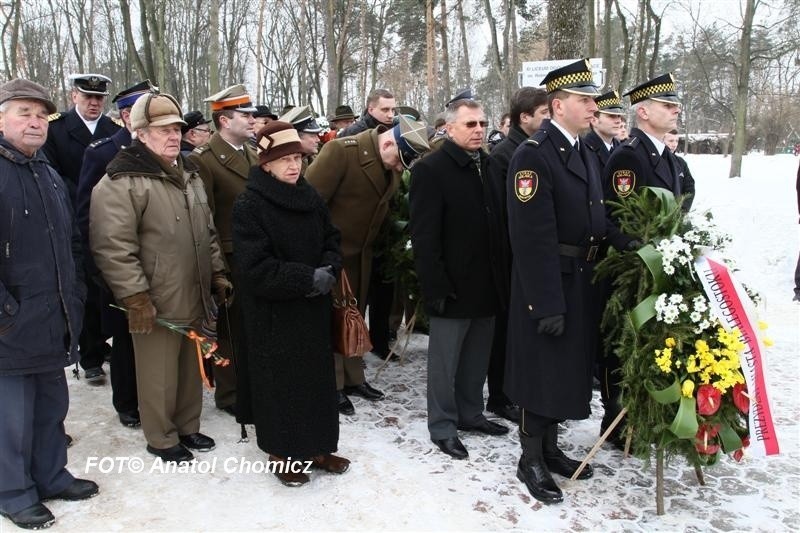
(92, 340)
(797, 278)
(33, 449)
(497, 362)
(123, 374)
(379, 299)
(533, 425)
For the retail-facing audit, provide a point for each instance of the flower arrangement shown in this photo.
(204, 336)
(682, 383)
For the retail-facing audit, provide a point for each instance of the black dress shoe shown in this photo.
(174, 454)
(79, 489)
(344, 404)
(37, 516)
(130, 419)
(95, 376)
(198, 441)
(486, 426)
(508, 411)
(69, 439)
(453, 447)
(366, 391)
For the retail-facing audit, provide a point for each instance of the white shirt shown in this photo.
(91, 124)
(572, 140)
(658, 143)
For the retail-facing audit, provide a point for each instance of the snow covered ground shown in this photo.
(400, 481)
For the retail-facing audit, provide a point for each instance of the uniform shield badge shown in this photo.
(623, 182)
(525, 184)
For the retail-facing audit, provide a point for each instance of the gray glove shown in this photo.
(551, 325)
(633, 245)
(323, 281)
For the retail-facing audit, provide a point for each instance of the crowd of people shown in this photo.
(238, 226)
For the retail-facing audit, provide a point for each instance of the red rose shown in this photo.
(740, 398)
(708, 400)
(703, 440)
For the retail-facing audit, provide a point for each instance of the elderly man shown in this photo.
(41, 301)
(457, 240)
(304, 121)
(196, 132)
(357, 176)
(154, 240)
(380, 111)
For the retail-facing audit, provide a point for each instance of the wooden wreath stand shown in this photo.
(659, 460)
(407, 331)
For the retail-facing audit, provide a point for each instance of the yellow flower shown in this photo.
(669, 342)
(762, 325)
(688, 388)
(768, 341)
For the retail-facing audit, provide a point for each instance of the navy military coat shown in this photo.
(67, 139)
(554, 199)
(597, 147)
(637, 163)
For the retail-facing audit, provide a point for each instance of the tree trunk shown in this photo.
(445, 77)
(133, 54)
(430, 40)
(591, 16)
(626, 56)
(213, 47)
(566, 25)
(742, 82)
(494, 49)
(260, 92)
(464, 43)
(607, 40)
(651, 71)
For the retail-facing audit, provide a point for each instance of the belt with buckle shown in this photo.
(580, 252)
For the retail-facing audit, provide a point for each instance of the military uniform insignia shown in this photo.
(54, 116)
(525, 184)
(623, 182)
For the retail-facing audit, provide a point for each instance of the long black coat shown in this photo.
(554, 197)
(455, 233)
(597, 147)
(281, 233)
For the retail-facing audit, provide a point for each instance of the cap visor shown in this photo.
(666, 99)
(583, 89)
(86, 91)
(246, 109)
(612, 111)
(166, 121)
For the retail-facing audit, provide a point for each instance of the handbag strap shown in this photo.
(344, 286)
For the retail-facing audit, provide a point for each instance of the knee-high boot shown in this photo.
(533, 471)
(556, 461)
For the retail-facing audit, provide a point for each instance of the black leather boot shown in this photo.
(533, 471)
(555, 459)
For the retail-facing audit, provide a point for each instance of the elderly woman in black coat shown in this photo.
(288, 257)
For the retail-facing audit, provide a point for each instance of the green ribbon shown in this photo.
(730, 439)
(664, 396)
(685, 426)
(643, 312)
(665, 197)
(652, 259)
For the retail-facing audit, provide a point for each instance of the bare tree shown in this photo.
(566, 22)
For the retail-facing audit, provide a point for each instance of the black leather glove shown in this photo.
(633, 245)
(551, 325)
(323, 281)
(439, 304)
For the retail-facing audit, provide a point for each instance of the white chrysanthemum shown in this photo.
(695, 317)
(675, 299)
(700, 304)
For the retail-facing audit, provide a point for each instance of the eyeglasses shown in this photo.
(204, 130)
(474, 123)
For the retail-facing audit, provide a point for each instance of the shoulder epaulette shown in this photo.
(537, 138)
(350, 141)
(54, 117)
(117, 121)
(631, 142)
(98, 142)
(201, 149)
